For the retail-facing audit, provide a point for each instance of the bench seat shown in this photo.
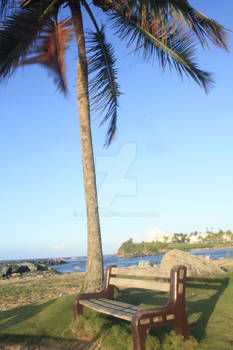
(112, 307)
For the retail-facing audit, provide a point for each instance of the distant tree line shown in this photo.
(179, 241)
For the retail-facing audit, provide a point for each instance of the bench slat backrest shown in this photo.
(148, 278)
(139, 283)
(151, 272)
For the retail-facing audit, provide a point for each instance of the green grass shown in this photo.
(209, 309)
(50, 319)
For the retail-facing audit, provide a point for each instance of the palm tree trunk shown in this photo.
(94, 269)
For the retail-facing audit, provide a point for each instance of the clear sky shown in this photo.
(170, 168)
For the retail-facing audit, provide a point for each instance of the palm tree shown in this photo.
(166, 29)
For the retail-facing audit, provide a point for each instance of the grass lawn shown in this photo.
(48, 316)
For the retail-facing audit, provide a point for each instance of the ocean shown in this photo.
(78, 264)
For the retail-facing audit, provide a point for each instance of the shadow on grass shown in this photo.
(25, 325)
(20, 314)
(207, 291)
(148, 298)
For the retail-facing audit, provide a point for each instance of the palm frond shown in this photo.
(7, 6)
(50, 50)
(26, 3)
(167, 15)
(50, 6)
(176, 51)
(204, 28)
(103, 87)
(17, 34)
(208, 28)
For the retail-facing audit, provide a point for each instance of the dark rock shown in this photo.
(33, 266)
(22, 269)
(7, 269)
(49, 262)
(26, 267)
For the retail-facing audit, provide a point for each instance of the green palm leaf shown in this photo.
(104, 90)
(175, 50)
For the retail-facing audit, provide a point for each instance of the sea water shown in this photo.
(78, 264)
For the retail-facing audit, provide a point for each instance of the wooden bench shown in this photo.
(173, 313)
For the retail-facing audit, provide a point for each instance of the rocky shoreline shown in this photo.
(21, 268)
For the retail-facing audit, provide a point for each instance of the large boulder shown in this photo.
(7, 269)
(196, 266)
(21, 267)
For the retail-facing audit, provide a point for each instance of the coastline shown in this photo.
(79, 265)
(164, 251)
(215, 248)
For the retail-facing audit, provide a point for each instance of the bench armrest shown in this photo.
(107, 292)
(151, 316)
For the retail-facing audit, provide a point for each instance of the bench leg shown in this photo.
(139, 337)
(181, 326)
(78, 309)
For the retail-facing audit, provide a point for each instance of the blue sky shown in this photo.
(168, 170)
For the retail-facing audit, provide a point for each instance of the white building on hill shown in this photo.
(163, 238)
(197, 238)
